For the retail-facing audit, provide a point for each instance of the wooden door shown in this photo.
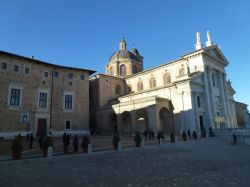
(41, 127)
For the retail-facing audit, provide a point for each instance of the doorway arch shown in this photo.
(165, 120)
(142, 120)
(126, 123)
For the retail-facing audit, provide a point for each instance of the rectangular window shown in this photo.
(82, 77)
(56, 74)
(4, 65)
(67, 125)
(15, 97)
(70, 75)
(43, 100)
(16, 68)
(198, 101)
(68, 101)
(27, 70)
(46, 74)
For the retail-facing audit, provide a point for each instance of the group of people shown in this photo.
(149, 134)
(66, 142)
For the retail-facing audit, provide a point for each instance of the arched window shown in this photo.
(181, 72)
(122, 70)
(152, 82)
(118, 89)
(111, 71)
(140, 86)
(167, 78)
(134, 69)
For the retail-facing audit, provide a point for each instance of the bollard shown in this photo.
(142, 143)
(89, 148)
(50, 152)
(119, 146)
(161, 141)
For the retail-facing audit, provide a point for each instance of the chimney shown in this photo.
(198, 44)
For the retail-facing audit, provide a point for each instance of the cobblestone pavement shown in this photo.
(206, 162)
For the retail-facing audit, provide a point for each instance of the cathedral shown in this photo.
(191, 93)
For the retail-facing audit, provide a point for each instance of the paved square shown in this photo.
(206, 162)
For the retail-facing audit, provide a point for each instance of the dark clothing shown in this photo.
(189, 134)
(40, 141)
(234, 139)
(75, 143)
(31, 141)
(146, 134)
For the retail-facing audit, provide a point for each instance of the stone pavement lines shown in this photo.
(199, 164)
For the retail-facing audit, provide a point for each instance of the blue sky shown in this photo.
(84, 33)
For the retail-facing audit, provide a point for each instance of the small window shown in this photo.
(122, 70)
(82, 77)
(198, 101)
(111, 71)
(15, 97)
(67, 125)
(140, 86)
(43, 100)
(4, 65)
(44, 82)
(167, 78)
(134, 69)
(152, 82)
(70, 83)
(16, 68)
(181, 72)
(56, 74)
(70, 75)
(68, 102)
(27, 70)
(46, 74)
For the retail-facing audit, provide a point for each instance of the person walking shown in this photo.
(75, 143)
(146, 134)
(64, 142)
(31, 140)
(40, 141)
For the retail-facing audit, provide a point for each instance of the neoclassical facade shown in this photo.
(191, 93)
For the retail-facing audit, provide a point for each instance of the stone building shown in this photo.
(242, 114)
(190, 93)
(40, 97)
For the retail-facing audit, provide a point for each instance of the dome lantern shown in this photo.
(123, 44)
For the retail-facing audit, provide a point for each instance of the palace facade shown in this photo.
(40, 97)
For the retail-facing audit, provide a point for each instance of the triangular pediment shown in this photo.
(216, 53)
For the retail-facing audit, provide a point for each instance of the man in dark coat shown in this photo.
(31, 140)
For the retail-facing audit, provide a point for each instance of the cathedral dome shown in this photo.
(123, 54)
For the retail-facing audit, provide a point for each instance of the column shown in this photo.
(194, 103)
(208, 96)
(222, 93)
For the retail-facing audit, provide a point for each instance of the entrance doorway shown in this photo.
(41, 126)
(165, 121)
(201, 122)
(126, 123)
